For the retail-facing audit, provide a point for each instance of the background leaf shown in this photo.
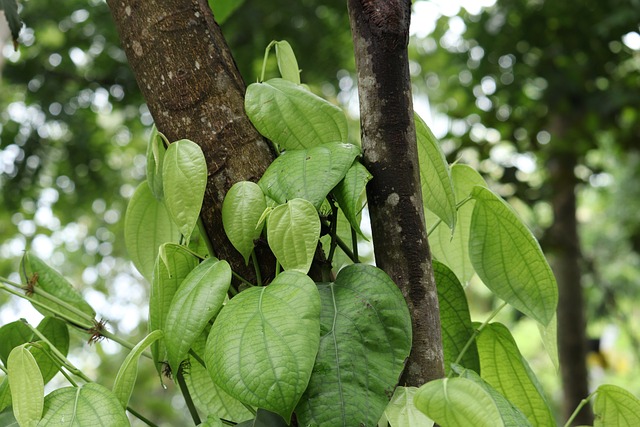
(293, 117)
(366, 337)
(184, 178)
(263, 343)
(615, 406)
(147, 225)
(10, 8)
(508, 258)
(242, 209)
(293, 232)
(27, 386)
(222, 9)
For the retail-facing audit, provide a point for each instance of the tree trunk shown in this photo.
(565, 250)
(194, 91)
(380, 30)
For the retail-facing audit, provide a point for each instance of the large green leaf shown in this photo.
(263, 343)
(435, 177)
(350, 194)
(455, 320)
(308, 174)
(147, 225)
(89, 405)
(293, 117)
(293, 231)
(366, 337)
(155, 158)
(184, 178)
(504, 368)
(508, 258)
(174, 263)
(27, 386)
(287, 63)
(128, 372)
(222, 9)
(616, 407)
(35, 272)
(401, 412)
(453, 250)
(198, 299)
(241, 212)
(458, 402)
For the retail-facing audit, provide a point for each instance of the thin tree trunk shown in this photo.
(380, 30)
(565, 249)
(194, 91)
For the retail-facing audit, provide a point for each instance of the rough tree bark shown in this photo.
(564, 246)
(194, 91)
(380, 30)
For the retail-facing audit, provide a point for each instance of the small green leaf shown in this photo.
(155, 158)
(508, 258)
(184, 178)
(10, 8)
(308, 174)
(12, 335)
(174, 263)
(458, 402)
(287, 63)
(615, 406)
(27, 386)
(401, 412)
(222, 9)
(128, 372)
(455, 320)
(435, 176)
(263, 343)
(293, 117)
(293, 232)
(36, 272)
(5, 394)
(198, 299)
(147, 225)
(241, 213)
(89, 405)
(504, 368)
(350, 194)
(365, 330)
(453, 250)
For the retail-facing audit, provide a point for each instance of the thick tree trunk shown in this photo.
(193, 89)
(380, 31)
(565, 250)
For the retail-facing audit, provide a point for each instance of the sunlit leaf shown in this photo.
(293, 117)
(350, 193)
(27, 386)
(147, 225)
(549, 336)
(293, 231)
(308, 174)
(263, 344)
(401, 412)
(184, 178)
(615, 407)
(508, 258)
(366, 338)
(241, 212)
(287, 63)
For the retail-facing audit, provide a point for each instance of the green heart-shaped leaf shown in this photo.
(27, 386)
(241, 212)
(615, 406)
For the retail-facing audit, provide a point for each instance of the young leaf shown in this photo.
(27, 386)
(435, 176)
(453, 250)
(128, 372)
(455, 320)
(287, 63)
(174, 263)
(88, 405)
(293, 231)
(293, 117)
(263, 343)
(401, 412)
(308, 174)
(184, 178)
(155, 158)
(35, 271)
(198, 299)
(349, 193)
(241, 212)
(147, 225)
(615, 406)
(504, 368)
(458, 402)
(508, 258)
(365, 330)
